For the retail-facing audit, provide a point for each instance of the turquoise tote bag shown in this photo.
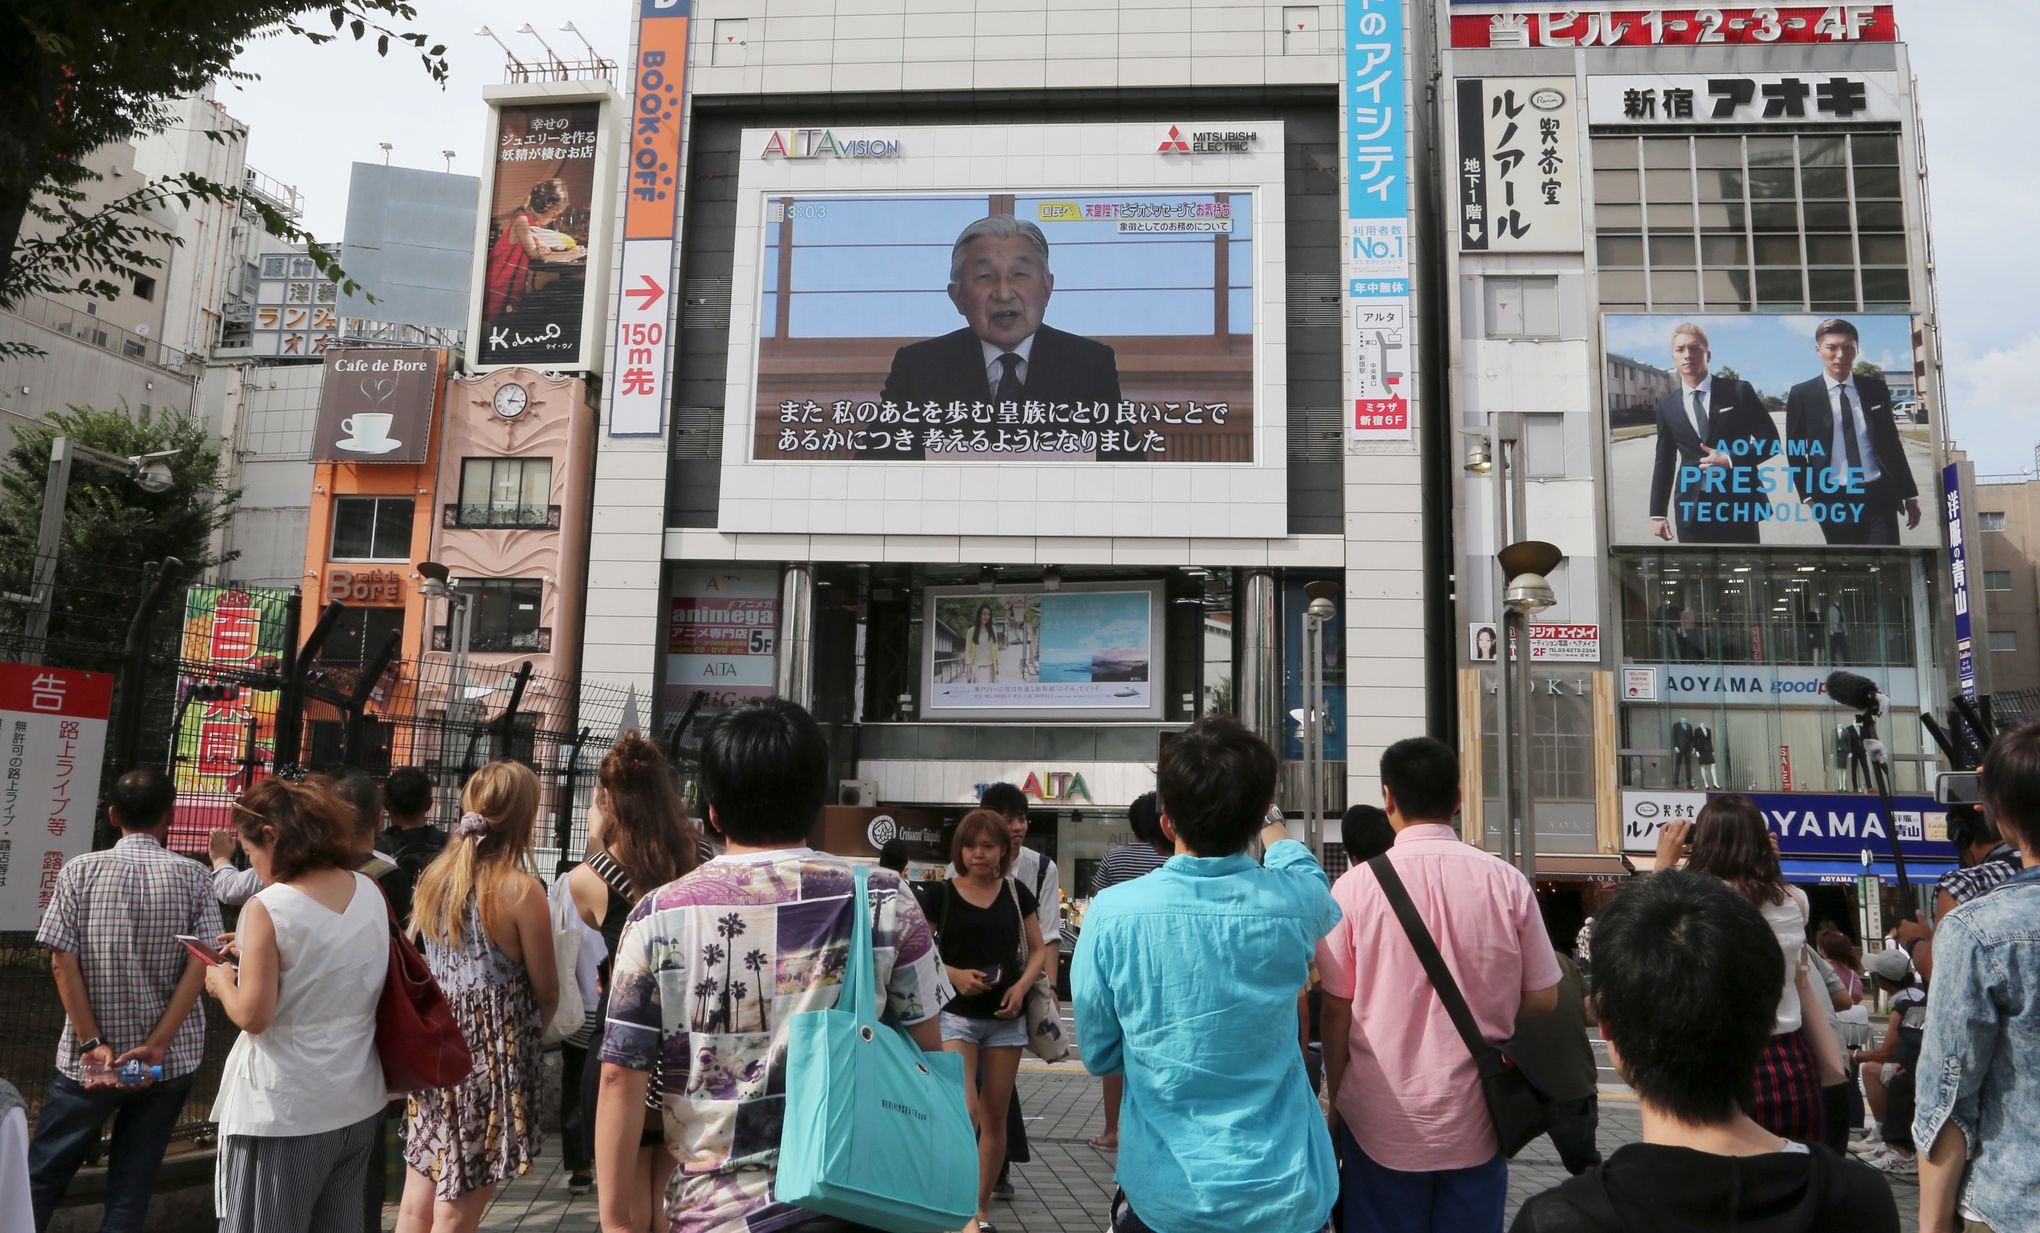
(876, 1132)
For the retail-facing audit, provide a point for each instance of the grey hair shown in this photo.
(995, 227)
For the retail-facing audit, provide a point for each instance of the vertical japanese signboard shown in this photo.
(651, 222)
(1377, 221)
(226, 728)
(546, 215)
(1958, 581)
(1518, 173)
(52, 738)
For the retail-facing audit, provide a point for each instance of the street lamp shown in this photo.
(528, 28)
(434, 584)
(485, 32)
(1315, 614)
(1527, 590)
(150, 472)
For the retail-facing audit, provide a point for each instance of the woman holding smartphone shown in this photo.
(302, 1089)
(992, 949)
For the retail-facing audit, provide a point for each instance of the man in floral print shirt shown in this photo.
(713, 967)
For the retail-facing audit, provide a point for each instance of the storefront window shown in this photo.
(1722, 607)
(1763, 748)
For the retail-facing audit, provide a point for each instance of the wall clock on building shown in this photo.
(512, 401)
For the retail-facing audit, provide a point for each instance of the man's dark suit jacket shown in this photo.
(1734, 413)
(1810, 418)
(1061, 367)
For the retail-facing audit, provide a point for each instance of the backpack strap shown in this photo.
(1485, 1055)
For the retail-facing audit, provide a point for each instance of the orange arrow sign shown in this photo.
(651, 291)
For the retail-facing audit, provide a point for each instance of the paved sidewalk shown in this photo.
(1068, 1186)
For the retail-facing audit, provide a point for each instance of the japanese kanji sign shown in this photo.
(1958, 581)
(1583, 26)
(643, 363)
(1518, 166)
(52, 736)
(226, 731)
(1377, 221)
(1750, 98)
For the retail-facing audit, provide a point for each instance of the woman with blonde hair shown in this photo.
(640, 839)
(301, 1094)
(481, 919)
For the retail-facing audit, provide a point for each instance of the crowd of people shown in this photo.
(1281, 1052)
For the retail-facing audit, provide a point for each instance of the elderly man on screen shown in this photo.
(1000, 282)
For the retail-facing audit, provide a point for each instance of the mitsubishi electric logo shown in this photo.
(1176, 141)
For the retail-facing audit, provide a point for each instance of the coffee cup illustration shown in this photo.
(368, 428)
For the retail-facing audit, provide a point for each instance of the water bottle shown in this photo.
(134, 1073)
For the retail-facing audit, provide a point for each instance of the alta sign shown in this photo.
(1048, 786)
(821, 143)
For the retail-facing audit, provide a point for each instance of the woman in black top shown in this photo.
(992, 949)
(641, 839)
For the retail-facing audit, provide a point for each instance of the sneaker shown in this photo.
(580, 1183)
(1893, 1161)
(1869, 1145)
(1003, 1188)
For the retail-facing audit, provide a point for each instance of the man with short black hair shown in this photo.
(1428, 1158)
(714, 966)
(1221, 1132)
(1365, 833)
(1843, 449)
(130, 993)
(411, 839)
(1686, 979)
(1033, 869)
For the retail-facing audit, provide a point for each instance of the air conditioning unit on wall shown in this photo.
(857, 792)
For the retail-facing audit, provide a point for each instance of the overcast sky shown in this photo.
(318, 110)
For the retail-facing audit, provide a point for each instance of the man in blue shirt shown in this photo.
(1186, 982)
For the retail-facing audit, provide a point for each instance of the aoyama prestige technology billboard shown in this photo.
(1800, 430)
(1090, 651)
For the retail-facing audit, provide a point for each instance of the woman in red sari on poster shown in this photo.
(509, 273)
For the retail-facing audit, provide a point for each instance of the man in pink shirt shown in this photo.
(1416, 1147)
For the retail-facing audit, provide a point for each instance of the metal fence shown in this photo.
(292, 719)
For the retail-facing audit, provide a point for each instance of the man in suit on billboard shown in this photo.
(1843, 444)
(1713, 435)
(1000, 281)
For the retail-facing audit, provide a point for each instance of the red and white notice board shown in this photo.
(52, 738)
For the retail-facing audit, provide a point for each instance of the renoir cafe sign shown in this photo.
(1806, 823)
(1758, 685)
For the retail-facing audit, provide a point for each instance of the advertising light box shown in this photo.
(1747, 429)
(1079, 652)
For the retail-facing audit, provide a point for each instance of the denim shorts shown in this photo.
(985, 1033)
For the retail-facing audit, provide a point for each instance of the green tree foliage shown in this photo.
(76, 76)
(112, 526)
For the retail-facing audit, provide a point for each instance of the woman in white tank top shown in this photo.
(302, 1088)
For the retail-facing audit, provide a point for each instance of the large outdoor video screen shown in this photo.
(1005, 327)
(1080, 652)
(1798, 430)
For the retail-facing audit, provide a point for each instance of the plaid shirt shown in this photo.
(120, 912)
(1964, 885)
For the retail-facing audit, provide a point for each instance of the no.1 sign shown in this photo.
(52, 737)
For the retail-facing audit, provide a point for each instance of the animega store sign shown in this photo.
(1806, 823)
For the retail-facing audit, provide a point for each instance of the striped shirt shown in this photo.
(120, 912)
(1125, 863)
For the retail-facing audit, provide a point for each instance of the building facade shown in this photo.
(819, 488)
(1647, 206)
(2005, 574)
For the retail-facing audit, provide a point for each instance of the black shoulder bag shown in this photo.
(1520, 1109)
